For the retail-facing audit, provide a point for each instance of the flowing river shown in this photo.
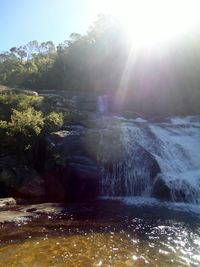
(104, 233)
(148, 212)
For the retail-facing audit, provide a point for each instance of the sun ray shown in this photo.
(151, 23)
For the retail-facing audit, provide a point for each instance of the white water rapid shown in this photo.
(144, 153)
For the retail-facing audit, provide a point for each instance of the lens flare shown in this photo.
(152, 22)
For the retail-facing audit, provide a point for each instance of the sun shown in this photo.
(151, 23)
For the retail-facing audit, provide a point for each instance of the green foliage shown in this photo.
(152, 82)
(23, 123)
(21, 102)
(3, 125)
(28, 123)
(53, 122)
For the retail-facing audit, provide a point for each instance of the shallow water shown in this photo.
(105, 233)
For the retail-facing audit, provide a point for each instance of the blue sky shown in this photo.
(22, 21)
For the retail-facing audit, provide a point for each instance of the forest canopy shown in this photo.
(161, 81)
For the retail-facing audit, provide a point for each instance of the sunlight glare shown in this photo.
(152, 22)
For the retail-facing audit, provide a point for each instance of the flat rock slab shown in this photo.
(14, 216)
(28, 212)
(9, 201)
(44, 208)
(12, 213)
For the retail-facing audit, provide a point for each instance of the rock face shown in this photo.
(32, 188)
(19, 180)
(128, 169)
(84, 182)
(72, 175)
(74, 183)
(169, 192)
(18, 91)
(83, 163)
(161, 190)
(82, 100)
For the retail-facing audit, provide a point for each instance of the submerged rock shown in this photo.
(13, 216)
(44, 208)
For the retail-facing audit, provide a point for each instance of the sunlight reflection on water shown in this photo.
(161, 246)
(129, 237)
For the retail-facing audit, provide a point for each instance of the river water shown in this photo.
(104, 233)
(130, 150)
(127, 226)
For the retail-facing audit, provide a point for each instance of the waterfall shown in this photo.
(102, 104)
(136, 154)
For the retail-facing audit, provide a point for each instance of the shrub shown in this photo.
(27, 123)
(20, 102)
(53, 122)
(3, 125)
(22, 126)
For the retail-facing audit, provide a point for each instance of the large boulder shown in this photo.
(175, 189)
(80, 157)
(84, 179)
(71, 173)
(8, 201)
(161, 190)
(61, 145)
(19, 180)
(33, 187)
(76, 182)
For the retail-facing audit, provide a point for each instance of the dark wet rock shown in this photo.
(129, 114)
(74, 182)
(72, 174)
(130, 169)
(19, 181)
(78, 156)
(33, 187)
(31, 209)
(84, 180)
(183, 191)
(61, 146)
(161, 190)
(44, 208)
(78, 128)
(178, 191)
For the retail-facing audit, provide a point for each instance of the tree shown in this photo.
(105, 61)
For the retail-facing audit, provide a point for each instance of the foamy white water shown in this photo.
(174, 145)
(102, 104)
